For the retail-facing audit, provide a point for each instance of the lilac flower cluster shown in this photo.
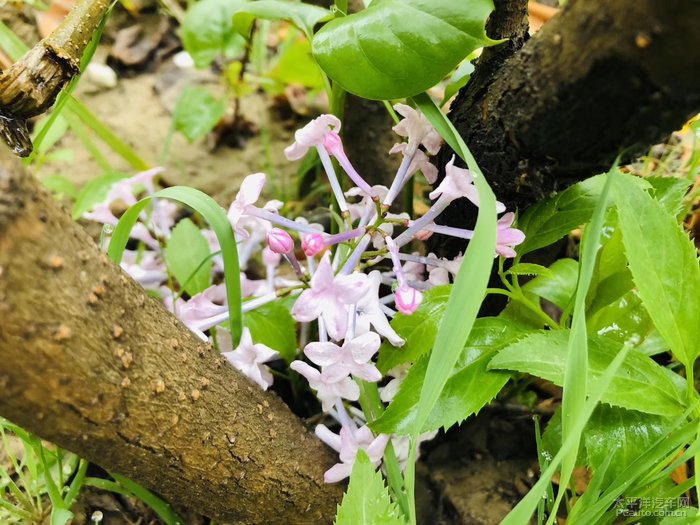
(335, 286)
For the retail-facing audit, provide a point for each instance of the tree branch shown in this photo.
(90, 362)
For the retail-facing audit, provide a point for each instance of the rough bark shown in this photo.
(90, 362)
(600, 79)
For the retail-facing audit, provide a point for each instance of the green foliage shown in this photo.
(216, 217)
(418, 330)
(197, 112)
(94, 192)
(187, 257)
(367, 500)
(272, 325)
(664, 265)
(470, 386)
(295, 65)
(400, 48)
(303, 16)
(208, 31)
(640, 384)
(558, 285)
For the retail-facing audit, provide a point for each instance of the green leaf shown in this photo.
(303, 16)
(640, 383)
(367, 501)
(60, 185)
(216, 217)
(187, 257)
(297, 66)
(208, 32)
(529, 269)
(400, 48)
(94, 192)
(664, 266)
(623, 434)
(689, 517)
(197, 112)
(627, 322)
(551, 219)
(273, 326)
(418, 330)
(61, 516)
(469, 388)
(669, 191)
(558, 287)
(458, 79)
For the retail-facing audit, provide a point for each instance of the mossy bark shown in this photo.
(600, 79)
(90, 362)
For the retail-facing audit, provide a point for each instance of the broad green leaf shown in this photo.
(669, 191)
(622, 434)
(208, 32)
(640, 384)
(664, 265)
(273, 326)
(297, 66)
(559, 286)
(367, 501)
(94, 192)
(551, 219)
(469, 388)
(612, 279)
(418, 330)
(187, 257)
(400, 48)
(216, 217)
(61, 516)
(197, 112)
(303, 16)
(627, 322)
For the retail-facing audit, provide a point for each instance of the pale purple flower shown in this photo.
(366, 206)
(369, 312)
(417, 129)
(327, 390)
(311, 135)
(347, 443)
(507, 237)
(458, 183)
(353, 358)
(146, 267)
(247, 196)
(419, 162)
(249, 358)
(407, 299)
(270, 259)
(329, 296)
(389, 391)
(198, 311)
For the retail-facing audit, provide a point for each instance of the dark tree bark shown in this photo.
(90, 362)
(600, 79)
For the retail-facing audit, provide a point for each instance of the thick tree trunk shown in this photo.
(600, 79)
(90, 362)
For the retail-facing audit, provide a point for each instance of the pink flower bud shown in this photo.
(312, 244)
(280, 241)
(333, 144)
(423, 235)
(270, 258)
(407, 299)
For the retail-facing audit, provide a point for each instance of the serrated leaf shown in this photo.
(94, 192)
(470, 387)
(623, 434)
(208, 32)
(400, 48)
(273, 326)
(640, 383)
(303, 16)
(418, 330)
(187, 257)
(529, 269)
(367, 500)
(664, 265)
(551, 219)
(669, 192)
(197, 112)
